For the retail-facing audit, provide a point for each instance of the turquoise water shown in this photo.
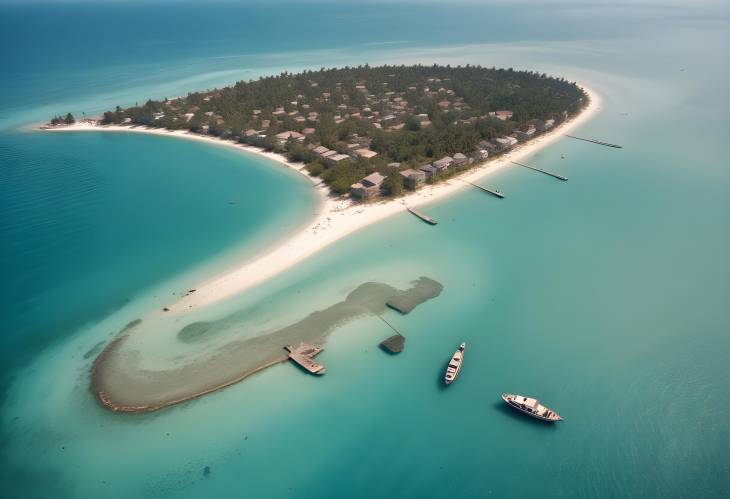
(90, 221)
(606, 296)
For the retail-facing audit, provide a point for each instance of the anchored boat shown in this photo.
(531, 407)
(454, 367)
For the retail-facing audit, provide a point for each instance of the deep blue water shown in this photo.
(606, 295)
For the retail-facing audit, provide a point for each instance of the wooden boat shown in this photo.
(531, 407)
(454, 367)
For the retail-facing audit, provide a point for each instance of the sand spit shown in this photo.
(120, 384)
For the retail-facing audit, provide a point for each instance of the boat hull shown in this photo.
(454, 367)
(548, 415)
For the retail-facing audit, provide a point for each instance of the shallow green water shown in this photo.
(605, 296)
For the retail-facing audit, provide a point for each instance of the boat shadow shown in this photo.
(504, 409)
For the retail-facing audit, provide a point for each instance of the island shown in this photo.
(375, 141)
(372, 131)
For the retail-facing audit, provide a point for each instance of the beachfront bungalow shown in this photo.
(429, 170)
(460, 159)
(443, 163)
(480, 155)
(525, 135)
(412, 179)
(549, 124)
(504, 143)
(538, 125)
(308, 131)
(485, 145)
(367, 188)
(366, 153)
(250, 132)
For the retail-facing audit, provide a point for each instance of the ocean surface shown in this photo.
(605, 296)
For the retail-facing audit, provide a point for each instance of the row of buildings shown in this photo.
(371, 186)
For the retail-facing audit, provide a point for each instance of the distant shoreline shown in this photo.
(337, 217)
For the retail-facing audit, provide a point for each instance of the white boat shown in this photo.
(454, 367)
(531, 407)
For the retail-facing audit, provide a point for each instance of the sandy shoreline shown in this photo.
(336, 218)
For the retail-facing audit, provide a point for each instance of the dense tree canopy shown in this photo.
(406, 114)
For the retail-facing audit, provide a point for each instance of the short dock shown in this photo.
(557, 176)
(494, 192)
(303, 355)
(594, 141)
(423, 217)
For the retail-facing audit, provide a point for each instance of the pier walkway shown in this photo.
(493, 192)
(303, 355)
(557, 176)
(423, 217)
(594, 141)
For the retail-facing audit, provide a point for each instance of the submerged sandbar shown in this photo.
(120, 384)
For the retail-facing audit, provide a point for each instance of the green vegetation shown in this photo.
(411, 115)
(67, 120)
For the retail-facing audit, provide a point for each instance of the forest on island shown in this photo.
(410, 115)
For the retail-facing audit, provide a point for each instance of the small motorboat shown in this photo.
(531, 407)
(454, 367)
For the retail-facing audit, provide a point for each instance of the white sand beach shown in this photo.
(337, 217)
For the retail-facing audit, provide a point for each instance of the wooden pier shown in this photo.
(594, 141)
(495, 192)
(557, 176)
(303, 355)
(423, 217)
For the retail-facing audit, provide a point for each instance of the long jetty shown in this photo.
(556, 175)
(488, 191)
(594, 141)
(423, 217)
